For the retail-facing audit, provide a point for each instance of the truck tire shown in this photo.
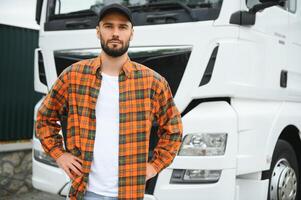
(283, 174)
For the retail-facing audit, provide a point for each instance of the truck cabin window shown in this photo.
(78, 14)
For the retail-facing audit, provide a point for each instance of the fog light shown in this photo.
(204, 144)
(44, 158)
(195, 176)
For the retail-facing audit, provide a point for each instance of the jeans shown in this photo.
(93, 196)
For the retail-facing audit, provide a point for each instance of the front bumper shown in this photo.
(223, 189)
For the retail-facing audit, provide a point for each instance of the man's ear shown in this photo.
(97, 32)
(132, 34)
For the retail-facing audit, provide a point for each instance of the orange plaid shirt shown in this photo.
(144, 96)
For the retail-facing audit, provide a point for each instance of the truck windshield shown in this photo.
(83, 14)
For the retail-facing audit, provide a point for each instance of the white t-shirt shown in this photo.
(103, 178)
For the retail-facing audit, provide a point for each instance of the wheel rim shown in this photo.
(283, 182)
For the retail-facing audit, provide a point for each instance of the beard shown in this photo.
(112, 51)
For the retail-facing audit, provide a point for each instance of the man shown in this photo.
(111, 103)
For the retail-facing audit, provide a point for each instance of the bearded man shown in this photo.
(110, 103)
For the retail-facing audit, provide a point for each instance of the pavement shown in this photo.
(34, 195)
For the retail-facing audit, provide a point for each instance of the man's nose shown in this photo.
(115, 32)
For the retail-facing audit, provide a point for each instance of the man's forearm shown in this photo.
(165, 151)
(47, 131)
(170, 129)
(53, 106)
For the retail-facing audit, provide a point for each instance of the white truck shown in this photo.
(234, 68)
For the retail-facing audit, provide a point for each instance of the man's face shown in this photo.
(115, 33)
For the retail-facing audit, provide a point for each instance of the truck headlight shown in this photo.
(195, 176)
(204, 144)
(44, 158)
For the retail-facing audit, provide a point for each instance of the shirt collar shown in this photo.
(127, 67)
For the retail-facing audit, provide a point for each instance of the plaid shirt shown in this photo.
(144, 95)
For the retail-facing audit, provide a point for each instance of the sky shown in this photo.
(20, 13)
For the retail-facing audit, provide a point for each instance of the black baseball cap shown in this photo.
(115, 7)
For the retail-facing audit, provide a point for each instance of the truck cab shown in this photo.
(233, 67)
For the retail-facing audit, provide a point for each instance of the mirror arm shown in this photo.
(263, 6)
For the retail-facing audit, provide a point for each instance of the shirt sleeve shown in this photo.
(169, 131)
(49, 113)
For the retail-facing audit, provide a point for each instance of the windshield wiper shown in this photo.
(163, 5)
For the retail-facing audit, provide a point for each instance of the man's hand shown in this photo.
(70, 164)
(150, 172)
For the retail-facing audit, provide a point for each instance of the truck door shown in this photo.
(266, 43)
(294, 48)
(262, 55)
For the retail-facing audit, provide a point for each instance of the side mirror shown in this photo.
(243, 18)
(248, 17)
(39, 10)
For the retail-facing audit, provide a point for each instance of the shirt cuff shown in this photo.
(157, 164)
(55, 153)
